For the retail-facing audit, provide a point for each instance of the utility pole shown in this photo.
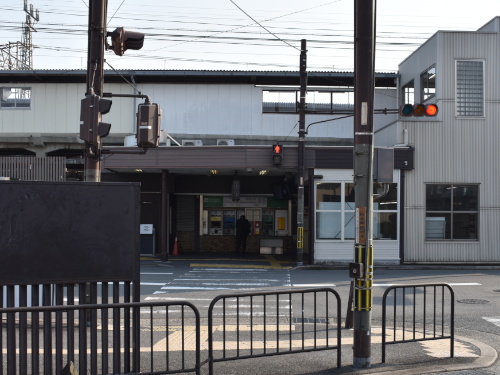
(302, 134)
(95, 85)
(364, 83)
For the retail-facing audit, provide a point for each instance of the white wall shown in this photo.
(195, 110)
(55, 110)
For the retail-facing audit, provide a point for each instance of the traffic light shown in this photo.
(148, 124)
(122, 40)
(277, 154)
(92, 108)
(418, 110)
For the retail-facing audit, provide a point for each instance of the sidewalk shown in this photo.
(427, 357)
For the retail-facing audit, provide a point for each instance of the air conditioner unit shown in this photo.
(192, 142)
(225, 142)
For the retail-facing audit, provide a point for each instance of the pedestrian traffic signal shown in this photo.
(92, 109)
(418, 110)
(277, 154)
(148, 124)
(122, 40)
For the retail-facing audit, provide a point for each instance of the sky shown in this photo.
(238, 34)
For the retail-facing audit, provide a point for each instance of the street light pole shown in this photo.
(302, 135)
(364, 90)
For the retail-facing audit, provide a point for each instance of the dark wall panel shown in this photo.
(68, 232)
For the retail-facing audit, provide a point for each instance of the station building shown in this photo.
(218, 129)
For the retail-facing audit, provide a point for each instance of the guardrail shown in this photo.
(264, 324)
(101, 338)
(426, 322)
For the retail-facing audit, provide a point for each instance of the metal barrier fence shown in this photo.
(264, 324)
(426, 322)
(101, 338)
(30, 168)
(68, 293)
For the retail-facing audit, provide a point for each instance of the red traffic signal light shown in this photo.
(431, 110)
(277, 154)
(122, 40)
(418, 110)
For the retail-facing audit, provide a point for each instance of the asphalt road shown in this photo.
(477, 296)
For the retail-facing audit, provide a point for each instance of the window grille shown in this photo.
(470, 88)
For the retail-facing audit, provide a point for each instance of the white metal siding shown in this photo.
(55, 110)
(456, 150)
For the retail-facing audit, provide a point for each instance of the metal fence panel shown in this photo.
(134, 338)
(420, 312)
(259, 324)
(30, 168)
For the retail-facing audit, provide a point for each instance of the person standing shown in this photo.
(242, 232)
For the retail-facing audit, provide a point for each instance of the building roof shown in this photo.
(291, 78)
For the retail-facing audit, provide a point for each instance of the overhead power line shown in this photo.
(270, 32)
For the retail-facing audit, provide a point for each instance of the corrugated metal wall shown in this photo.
(30, 168)
(456, 150)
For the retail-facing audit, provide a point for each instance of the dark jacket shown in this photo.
(242, 227)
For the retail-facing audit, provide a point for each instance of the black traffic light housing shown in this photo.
(92, 107)
(418, 110)
(122, 40)
(277, 154)
(148, 124)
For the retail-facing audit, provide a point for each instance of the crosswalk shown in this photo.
(200, 279)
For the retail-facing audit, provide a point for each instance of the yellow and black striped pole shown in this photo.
(364, 88)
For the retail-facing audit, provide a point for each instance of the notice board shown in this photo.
(57, 232)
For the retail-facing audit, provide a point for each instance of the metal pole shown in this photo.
(364, 73)
(95, 81)
(165, 208)
(302, 135)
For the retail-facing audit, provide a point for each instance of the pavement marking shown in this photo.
(434, 348)
(157, 273)
(452, 284)
(239, 266)
(272, 260)
(314, 285)
(494, 320)
(177, 287)
(153, 284)
(437, 349)
(175, 299)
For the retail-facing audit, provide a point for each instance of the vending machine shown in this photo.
(215, 222)
(254, 216)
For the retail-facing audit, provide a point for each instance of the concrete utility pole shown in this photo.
(364, 90)
(302, 135)
(95, 82)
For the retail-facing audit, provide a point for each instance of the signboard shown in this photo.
(361, 225)
(146, 229)
(55, 232)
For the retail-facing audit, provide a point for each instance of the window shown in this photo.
(15, 97)
(451, 212)
(428, 82)
(276, 101)
(470, 88)
(408, 93)
(335, 211)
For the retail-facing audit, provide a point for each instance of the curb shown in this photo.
(487, 358)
